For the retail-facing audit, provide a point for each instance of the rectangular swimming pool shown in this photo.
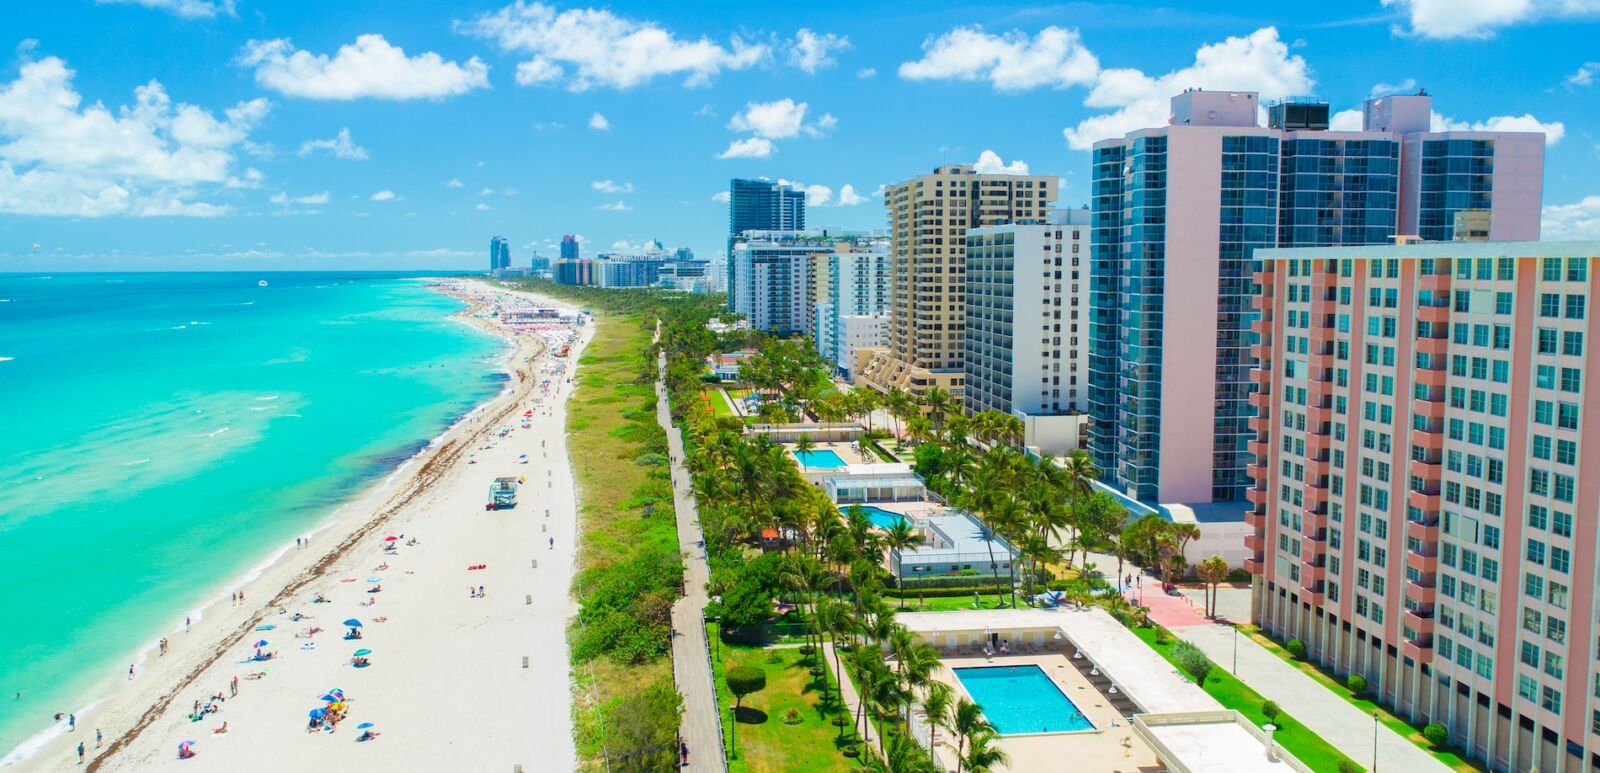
(826, 459)
(1022, 699)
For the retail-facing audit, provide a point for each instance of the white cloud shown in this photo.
(616, 206)
(849, 198)
(820, 195)
(607, 186)
(1385, 89)
(1572, 221)
(384, 195)
(1584, 76)
(59, 157)
(369, 67)
(1257, 62)
(750, 147)
(482, 207)
(1346, 121)
(721, 197)
(508, 191)
(486, 192)
(454, 183)
(341, 146)
(602, 49)
(599, 123)
(811, 52)
(1011, 62)
(548, 126)
(774, 120)
(284, 199)
(1481, 18)
(187, 9)
(989, 162)
(867, 72)
(251, 178)
(1553, 130)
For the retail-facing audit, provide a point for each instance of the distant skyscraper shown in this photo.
(499, 253)
(761, 205)
(929, 216)
(578, 271)
(853, 311)
(569, 247)
(1183, 207)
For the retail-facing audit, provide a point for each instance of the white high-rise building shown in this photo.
(854, 312)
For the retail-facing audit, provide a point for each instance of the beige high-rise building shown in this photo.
(928, 219)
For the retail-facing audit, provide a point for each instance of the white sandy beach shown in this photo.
(455, 682)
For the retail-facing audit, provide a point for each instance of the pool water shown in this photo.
(1022, 699)
(881, 518)
(825, 459)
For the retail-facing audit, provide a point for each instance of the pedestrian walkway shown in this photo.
(1352, 730)
(701, 726)
(851, 700)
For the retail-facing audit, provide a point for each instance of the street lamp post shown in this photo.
(1236, 650)
(1374, 741)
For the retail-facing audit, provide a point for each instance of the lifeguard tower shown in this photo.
(502, 494)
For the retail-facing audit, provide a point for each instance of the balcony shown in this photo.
(1257, 448)
(1422, 563)
(1424, 501)
(1312, 573)
(1262, 352)
(1315, 523)
(1322, 307)
(1260, 424)
(1431, 378)
(1322, 361)
(1318, 415)
(1428, 533)
(1314, 593)
(1433, 347)
(1255, 518)
(1255, 496)
(1427, 439)
(1260, 401)
(1256, 472)
(1419, 621)
(1436, 283)
(1318, 469)
(1262, 377)
(1427, 471)
(1431, 409)
(1422, 594)
(1435, 315)
(1419, 651)
(1255, 543)
(1253, 565)
(1262, 326)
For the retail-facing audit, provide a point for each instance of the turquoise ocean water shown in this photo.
(161, 435)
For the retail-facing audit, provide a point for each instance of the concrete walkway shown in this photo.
(852, 699)
(701, 726)
(1325, 713)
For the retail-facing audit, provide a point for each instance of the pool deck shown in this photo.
(1110, 746)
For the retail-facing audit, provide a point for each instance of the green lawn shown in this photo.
(712, 396)
(1305, 745)
(949, 603)
(1397, 724)
(764, 741)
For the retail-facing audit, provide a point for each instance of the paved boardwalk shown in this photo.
(701, 727)
(1328, 715)
(847, 690)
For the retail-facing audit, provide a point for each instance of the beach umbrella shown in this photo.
(336, 706)
(319, 713)
(390, 538)
(260, 643)
(331, 698)
(374, 578)
(365, 725)
(363, 651)
(353, 623)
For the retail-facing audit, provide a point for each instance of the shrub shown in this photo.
(743, 680)
(792, 717)
(643, 728)
(1238, 575)
(1436, 734)
(1192, 661)
(1296, 648)
(1356, 684)
(1271, 710)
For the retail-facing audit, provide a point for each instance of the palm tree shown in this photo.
(1080, 472)
(802, 449)
(936, 704)
(903, 755)
(899, 404)
(920, 428)
(1212, 571)
(982, 755)
(938, 403)
(966, 722)
(900, 538)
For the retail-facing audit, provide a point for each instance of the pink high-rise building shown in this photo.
(1179, 212)
(1425, 501)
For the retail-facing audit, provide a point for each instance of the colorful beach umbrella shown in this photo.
(363, 651)
(319, 713)
(374, 578)
(390, 538)
(365, 725)
(353, 623)
(260, 643)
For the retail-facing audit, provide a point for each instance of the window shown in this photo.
(1549, 698)
(1575, 306)
(1567, 416)
(1535, 552)
(1547, 340)
(1549, 304)
(1577, 269)
(1572, 343)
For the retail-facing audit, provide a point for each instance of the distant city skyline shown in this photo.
(251, 134)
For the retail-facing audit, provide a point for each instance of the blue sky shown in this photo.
(152, 134)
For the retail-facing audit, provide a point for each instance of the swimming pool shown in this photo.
(881, 518)
(1022, 699)
(826, 459)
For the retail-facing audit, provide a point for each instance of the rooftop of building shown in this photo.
(1453, 249)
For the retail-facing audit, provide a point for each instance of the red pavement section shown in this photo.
(1168, 611)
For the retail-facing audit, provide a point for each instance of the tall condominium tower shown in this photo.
(929, 218)
(853, 315)
(772, 279)
(761, 205)
(1025, 353)
(499, 253)
(569, 247)
(1424, 502)
(1179, 211)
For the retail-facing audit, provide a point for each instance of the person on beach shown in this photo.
(72, 723)
(97, 738)
(186, 622)
(130, 673)
(80, 752)
(233, 687)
